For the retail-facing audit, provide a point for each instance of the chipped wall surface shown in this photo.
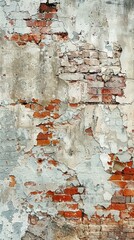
(66, 119)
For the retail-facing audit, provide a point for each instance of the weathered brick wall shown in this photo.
(67, 120)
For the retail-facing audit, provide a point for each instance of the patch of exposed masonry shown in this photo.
(86, 133)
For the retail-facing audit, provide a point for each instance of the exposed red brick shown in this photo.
(73, 105)
(24, 37)
(41, 114)
(56, 101)
(42, 136)
(12, 182)
(55, 115)
(49, 15)
(128, 192)
(69, 214)
(128, 171)
(50, 107)
(106, 91)
(36, 23)
(115, 177)
(44, 128)
(107, 98)
(47, 8)
(118, 206)
(112, 91)
(43, 142)
(73, 206)
(130, 164)
(62, 198)
(15, 37)
(71, 190)
(132, 215)
(62, 35)
(121, 184)
(36, 192)
(49, 193)
(21, 43)
(128, 177)
(36, 38)
(55, 142)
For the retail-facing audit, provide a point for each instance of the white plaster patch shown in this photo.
(105, 159)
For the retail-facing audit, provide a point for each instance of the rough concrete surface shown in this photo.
(66, 119)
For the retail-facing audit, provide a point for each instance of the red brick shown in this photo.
(55, 142)
(130, 164)
(44, 128)
(41, 114)
(115, 177)
(128, 171)
(43, 142)
(36, 38)
(30, 37)
(128, 192)
(12, 182)
(36, 192)
(131, 213)
(36, 23)
(117, 206)
(112, 91)
(107, 98)
(74, 105)
(69, 214)
(128, 177)
(46, 8)
(106, 91)
(62, 198)
(42, 136)
(24, 37)
(71, 190)
(39, 23)
(56, 101)
(121, 184)
(50, 107)
(21, 43)
(49, 15)
(15, 37)
(49, 193)
(73, 206)
(55, 115)
(62, 35)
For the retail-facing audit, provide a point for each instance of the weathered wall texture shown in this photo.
(66, 119)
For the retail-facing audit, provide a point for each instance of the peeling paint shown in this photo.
(66, 120)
